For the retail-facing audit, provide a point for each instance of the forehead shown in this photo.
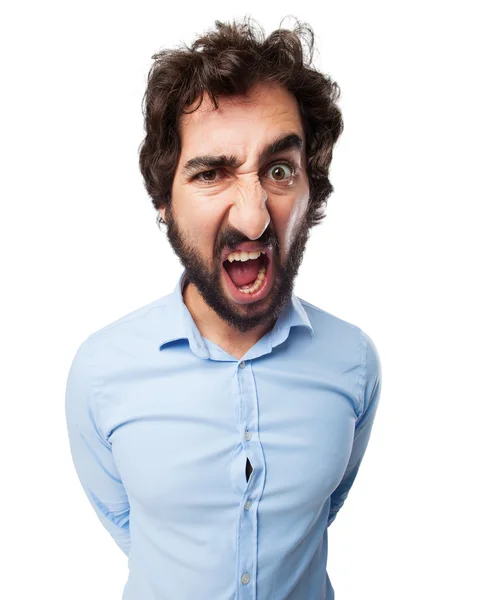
(241, 123)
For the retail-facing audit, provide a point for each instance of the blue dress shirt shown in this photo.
(161, 422)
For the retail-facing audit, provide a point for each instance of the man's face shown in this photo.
(233, 193)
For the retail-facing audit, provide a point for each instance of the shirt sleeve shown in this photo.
(92, 454)
(364, 424)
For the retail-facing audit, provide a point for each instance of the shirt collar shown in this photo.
(178, 323)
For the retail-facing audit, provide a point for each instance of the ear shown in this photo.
(162, 213)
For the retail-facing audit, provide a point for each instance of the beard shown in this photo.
(207, 279)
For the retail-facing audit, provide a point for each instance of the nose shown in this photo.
(249, 213)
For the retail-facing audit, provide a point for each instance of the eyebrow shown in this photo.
(283, 143)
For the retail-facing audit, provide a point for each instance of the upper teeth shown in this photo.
(243, 256)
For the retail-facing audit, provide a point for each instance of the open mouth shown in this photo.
(248, 275)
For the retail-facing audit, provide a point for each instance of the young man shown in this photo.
(217, 431)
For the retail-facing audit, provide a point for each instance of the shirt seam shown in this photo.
(361, 383)
(93, 392)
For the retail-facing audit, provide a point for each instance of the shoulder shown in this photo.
(334, 330)
(345, 343)
(130, 335)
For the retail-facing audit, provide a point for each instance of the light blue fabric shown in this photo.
(161, 421)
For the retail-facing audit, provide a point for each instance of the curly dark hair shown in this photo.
(229, 60)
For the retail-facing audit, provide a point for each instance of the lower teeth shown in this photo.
(249, 289)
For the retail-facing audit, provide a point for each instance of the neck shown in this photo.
(213, 328)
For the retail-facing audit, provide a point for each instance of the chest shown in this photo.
(189, 444)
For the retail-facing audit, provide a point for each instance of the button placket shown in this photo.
(247, 525)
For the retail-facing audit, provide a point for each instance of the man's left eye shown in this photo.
(281, 171)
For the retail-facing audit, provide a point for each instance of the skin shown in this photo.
(247, 200)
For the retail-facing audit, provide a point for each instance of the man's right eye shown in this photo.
(206, 176)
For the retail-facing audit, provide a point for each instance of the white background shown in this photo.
(396, 255)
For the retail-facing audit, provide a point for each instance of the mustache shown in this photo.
(232, 237)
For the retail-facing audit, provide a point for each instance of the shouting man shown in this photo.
(218, 430)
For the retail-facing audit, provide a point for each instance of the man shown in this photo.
(217, 431)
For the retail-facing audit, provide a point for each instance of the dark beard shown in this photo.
(208, 282)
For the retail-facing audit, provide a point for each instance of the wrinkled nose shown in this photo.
(249, 213)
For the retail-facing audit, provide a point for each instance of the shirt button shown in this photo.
(242, 364)
(247, 505)
(247, 436)
(245, 578)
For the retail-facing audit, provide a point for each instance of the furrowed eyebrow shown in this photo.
(281, 144)
(209, 162)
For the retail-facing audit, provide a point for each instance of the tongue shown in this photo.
(242, 273)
